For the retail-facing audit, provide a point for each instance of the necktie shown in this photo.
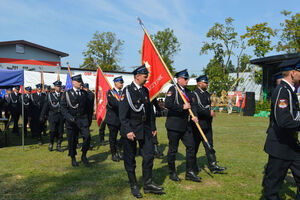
(120, 92)
(78, 92)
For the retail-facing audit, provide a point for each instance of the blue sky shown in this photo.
(68, 25)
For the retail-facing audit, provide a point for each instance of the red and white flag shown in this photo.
(158, 75)
(102, 86)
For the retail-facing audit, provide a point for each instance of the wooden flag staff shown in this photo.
(171, 76)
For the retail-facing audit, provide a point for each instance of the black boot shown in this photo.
(40, 142)
(149, 186)
(58, 147)
(157, 154)
(119, 154)
(133, 185)
(213, 166)
(102, 142)
(115, 158)
(50, 147)
(84, 158)
(73, 162)
(190, 174)
(197, 169)
(173, 176)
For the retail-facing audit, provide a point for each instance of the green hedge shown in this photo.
(263, 106)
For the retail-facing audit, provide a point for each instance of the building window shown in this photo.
(19, 48)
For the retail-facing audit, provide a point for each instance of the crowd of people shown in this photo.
(130, 112)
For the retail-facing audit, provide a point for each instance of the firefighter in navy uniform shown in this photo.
(38, 99)
(282, 143)
(55, 118)
(138, 125)
(27, 108)
(46, 114)
(74, 106)
(112, 118)
(179, 126)
(7, 107)
(15, 106)
(205, 116)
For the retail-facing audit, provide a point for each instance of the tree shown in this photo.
(224, 40)
(259, 36)
(105, 48)
(167, 45)
(218, 81)
(290, 33)
(225, 46)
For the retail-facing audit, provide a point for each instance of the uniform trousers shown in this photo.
(187, 139)
(56, 126)
(113, 134)
(73, 128)
(275, 173)
(198, 138)
(130, 151)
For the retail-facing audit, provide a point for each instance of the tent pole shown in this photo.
(22, 118)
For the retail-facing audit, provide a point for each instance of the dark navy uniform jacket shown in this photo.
(142, 123)
(52, 105)
(37, 104)
(78, 107)
(178, 118)
(203, 108)
(282, 138)
(112, 108)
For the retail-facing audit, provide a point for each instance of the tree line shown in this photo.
(226, 46)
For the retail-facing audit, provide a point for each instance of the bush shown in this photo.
(263, 106)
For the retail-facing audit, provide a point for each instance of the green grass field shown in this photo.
(37, 173)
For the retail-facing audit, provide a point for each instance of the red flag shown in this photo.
(238, 103)
(102, 86)
(244, 102)
(158, 76)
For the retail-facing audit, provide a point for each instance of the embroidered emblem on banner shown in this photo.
(282, 103)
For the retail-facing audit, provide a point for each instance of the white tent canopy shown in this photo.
(32, 78)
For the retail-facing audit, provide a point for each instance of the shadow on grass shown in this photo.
(285, 192)
(97, 182)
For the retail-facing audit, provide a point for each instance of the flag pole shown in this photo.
(42, 79)
(69, 69)
(58, 69)
(171, 76)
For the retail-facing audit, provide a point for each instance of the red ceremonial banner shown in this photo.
(158, 76)
(102, 86)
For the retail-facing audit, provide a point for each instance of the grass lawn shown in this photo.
(37, 173)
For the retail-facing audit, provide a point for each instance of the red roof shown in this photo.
(24, 42)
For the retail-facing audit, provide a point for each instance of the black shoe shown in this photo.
(50, 147)
(40, 142)
(173, 176)
(136, 192)
(190, 175)
(149, 186)
(74, 163)
(58, 148)
(78, 146)
(133, 186)
(153, 188)
(215, 168)
(197, 168)
(119, 154)
(157, 154)
(84, 160)
(102, 142)
(115, 158)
